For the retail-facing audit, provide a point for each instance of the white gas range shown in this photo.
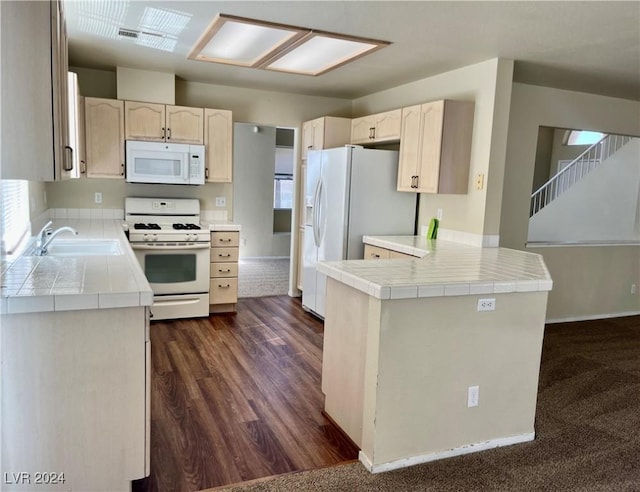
(173, 249)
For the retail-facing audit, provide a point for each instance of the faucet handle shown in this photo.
(46, 230)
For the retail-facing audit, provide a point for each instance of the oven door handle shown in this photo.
(147, 247)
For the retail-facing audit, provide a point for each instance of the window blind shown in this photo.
(14, 199)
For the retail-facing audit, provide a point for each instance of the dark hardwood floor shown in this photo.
(237, 397)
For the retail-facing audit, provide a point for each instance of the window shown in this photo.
(15, 213)
(283, 191)
(583, 137)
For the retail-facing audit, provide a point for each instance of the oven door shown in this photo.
(175, 268)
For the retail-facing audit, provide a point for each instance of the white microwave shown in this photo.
(165, 163)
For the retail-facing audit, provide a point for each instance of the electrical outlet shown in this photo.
(487, 304)
(221, 201)
(439, 214)
(473, 396)
(97, 197)
(633, 288)
(479, 181)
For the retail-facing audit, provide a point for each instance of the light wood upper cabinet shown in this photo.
(184, 124)
(435, 147)
(376, 128)
(34, 91)
(325, 133)
(158, 122)
(218, 139)
(144, 121)
(104, 137)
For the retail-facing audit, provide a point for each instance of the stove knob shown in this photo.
(155, 237)
(145, 237)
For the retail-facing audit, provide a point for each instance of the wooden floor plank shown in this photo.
(237, 397)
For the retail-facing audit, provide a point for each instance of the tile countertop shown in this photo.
(64, 283)
(221, 226)
(441, 268)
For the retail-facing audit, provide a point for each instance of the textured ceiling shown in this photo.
(586, 46)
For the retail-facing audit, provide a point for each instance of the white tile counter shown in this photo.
(65, 283)
(441, 268)
(221, 226)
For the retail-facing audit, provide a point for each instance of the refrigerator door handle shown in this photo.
(315, 219)
(321, 214)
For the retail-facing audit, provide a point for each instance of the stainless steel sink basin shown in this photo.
(81, 247)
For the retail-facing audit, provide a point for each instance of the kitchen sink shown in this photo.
(81, 247)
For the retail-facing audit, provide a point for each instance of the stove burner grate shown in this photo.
(191, 227)
(141, 225)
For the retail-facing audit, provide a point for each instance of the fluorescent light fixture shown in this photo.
(239, 41)
(257, 44)
(320, 53)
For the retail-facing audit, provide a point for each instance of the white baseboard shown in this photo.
(591, 317)
(450, 453)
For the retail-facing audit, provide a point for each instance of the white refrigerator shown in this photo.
(349, 192)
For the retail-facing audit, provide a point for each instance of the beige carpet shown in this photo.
(259, 277)
(587, 429)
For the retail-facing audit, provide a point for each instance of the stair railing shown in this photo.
(575, 171)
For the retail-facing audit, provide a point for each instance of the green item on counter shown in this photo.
(432, 233)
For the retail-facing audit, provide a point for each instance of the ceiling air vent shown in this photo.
(128, 33)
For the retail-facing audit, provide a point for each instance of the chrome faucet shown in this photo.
(46, 233)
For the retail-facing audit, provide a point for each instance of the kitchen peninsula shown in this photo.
(433, 356)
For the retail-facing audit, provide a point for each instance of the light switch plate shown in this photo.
(479, 181)
(221, 201)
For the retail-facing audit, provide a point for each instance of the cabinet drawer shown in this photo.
(223, 291)
(223, 270)
(220, 238)
(375, 253)
(224, 255)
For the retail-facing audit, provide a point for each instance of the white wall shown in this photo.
(254, 165)
(603, 206)
(488, 84)
(588, 281)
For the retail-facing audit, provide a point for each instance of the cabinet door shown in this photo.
(409, 148)
(428, 172)
(375, 253)
(307, 137)
(104, 134)
(318, 134)
(218, 139)
(387, 125)
(144, 121)
(362, 130)
(184, 125)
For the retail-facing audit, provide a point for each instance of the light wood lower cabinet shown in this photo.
(377, 253)
(223, 284)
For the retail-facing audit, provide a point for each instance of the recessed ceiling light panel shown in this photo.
(319, 54)
(235, 41)
(257, 44)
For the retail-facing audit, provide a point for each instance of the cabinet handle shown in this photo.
(371, 132)
(374, 133)
(224, 256)
(122, 169)
(374, 255)
(83, 167)
(413, 181)
(206, 173)
(310, 147)
(228, 270)
(162, 133)
(227, 240)
(67, 160)
(168, 133)
(417, 182)
(226, 286)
